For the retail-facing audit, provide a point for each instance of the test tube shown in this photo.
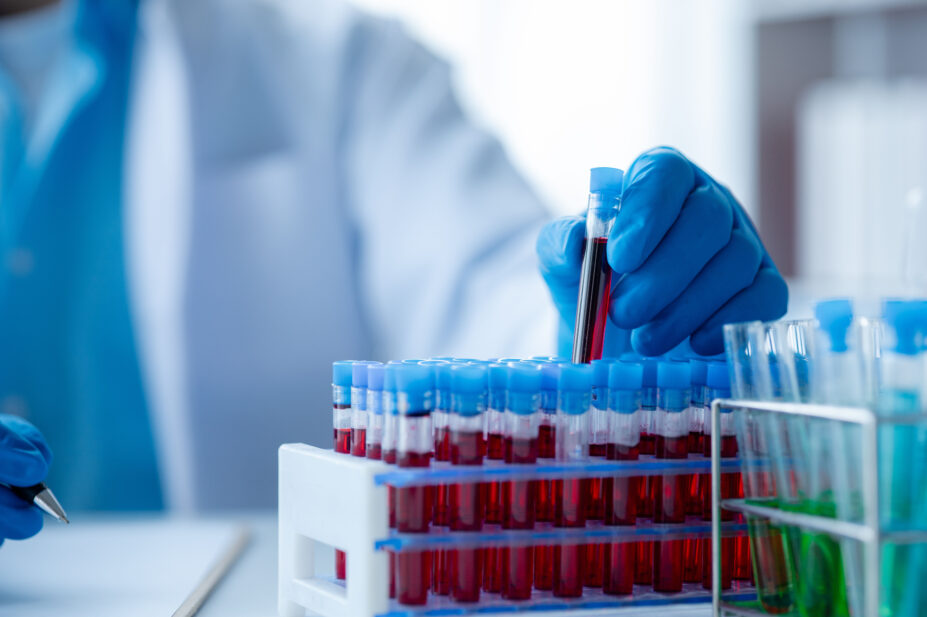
(495, 450)
(390, 433)
(341, 416)
(519, 497)
(414, 504)
(547, 449)
(596, 275)
(644, 572)
(440, 419)
(465, 501)
(693, 548)
(359, 409)
(375, 417)
(670, 491)
(575, 386)
(718, 385)
(598, 438)
(622, 493)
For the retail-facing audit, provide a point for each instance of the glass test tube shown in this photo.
(718, 385)
(341, 421)
(644, 572)
(375, 417)
(494, 429)
(670, 491)
(359, 409)
(465, 501)
(596, 274)
(440, 420)
(622, 493)
(390, 436)
(414, 504)
(547, 449)
(571, 494)
(598, 438)
(693, 550)
(519, 497)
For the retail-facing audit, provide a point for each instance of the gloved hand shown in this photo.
(24, 461)
(686, 260)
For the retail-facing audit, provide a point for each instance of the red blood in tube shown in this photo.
(669, 507)
(544, 555)
(342, 445)
(414, 505)
(595, 285)
(375, 452)
(465, 504)
(621, 497)
(595, 511)
(359, 442)
(644, 572)
(492, 556)
(519, 509)
(570, 511)
(730, 488)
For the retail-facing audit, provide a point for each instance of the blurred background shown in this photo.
(814, 112)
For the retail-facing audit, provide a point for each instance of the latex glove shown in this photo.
(24, 461)
(686, 256)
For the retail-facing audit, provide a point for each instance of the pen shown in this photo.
(41, 496)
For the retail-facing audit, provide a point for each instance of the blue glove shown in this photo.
(687, 257)
(24, 461)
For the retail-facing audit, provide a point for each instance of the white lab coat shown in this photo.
(302, 187)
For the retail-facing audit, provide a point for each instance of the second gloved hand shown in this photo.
(24, 461)
(686, 258)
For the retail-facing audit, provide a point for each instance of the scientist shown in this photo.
(203, 203)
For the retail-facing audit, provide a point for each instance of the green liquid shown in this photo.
(771, 573)
(821, 584)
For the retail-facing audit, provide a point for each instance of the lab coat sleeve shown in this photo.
(445, 226)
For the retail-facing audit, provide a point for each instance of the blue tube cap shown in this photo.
(389, 377)
(524, 378)
(600, 372)
(650, 372)
(673, 375)
(413, 378)
(699, 368)
(626, 376)
(468, 378)
(342, 373)
(605, 180)
(835, 316)
(375, 376)
(359, 373)
(575, 377)
(718, 377)
(908, 322)
(550, 374)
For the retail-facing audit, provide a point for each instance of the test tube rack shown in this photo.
(869, 531)
(332, 499)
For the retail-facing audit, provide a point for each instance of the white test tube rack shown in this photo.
(327, 498)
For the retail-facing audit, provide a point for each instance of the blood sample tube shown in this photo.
(390, 430)
(670, 490)
(465, 501)
(495, 450)
(547, 449)
(693, 548)
(644, 572)
(622, 493)
(375, 417)
(519, 497)
(440, 417)
(359, 409)
(596, 274)
(341, 416)
(572, 494)
(414, 504)
(718, 385)
(598, 438)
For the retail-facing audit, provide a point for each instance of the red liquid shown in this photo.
(465, 504)
(389, 456)
(670, 494)
(441, 572)
(570, 511)
(413, 514)
(375, 452)
(594, 554)
(621, 497)
(730, 488)
(519, 509)
(492, 569)
(342, 445)
(644, 572)
(359, 442)
(492, 557)
(544, 555)
(592, 307)
(442, 453)
(693, 551)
